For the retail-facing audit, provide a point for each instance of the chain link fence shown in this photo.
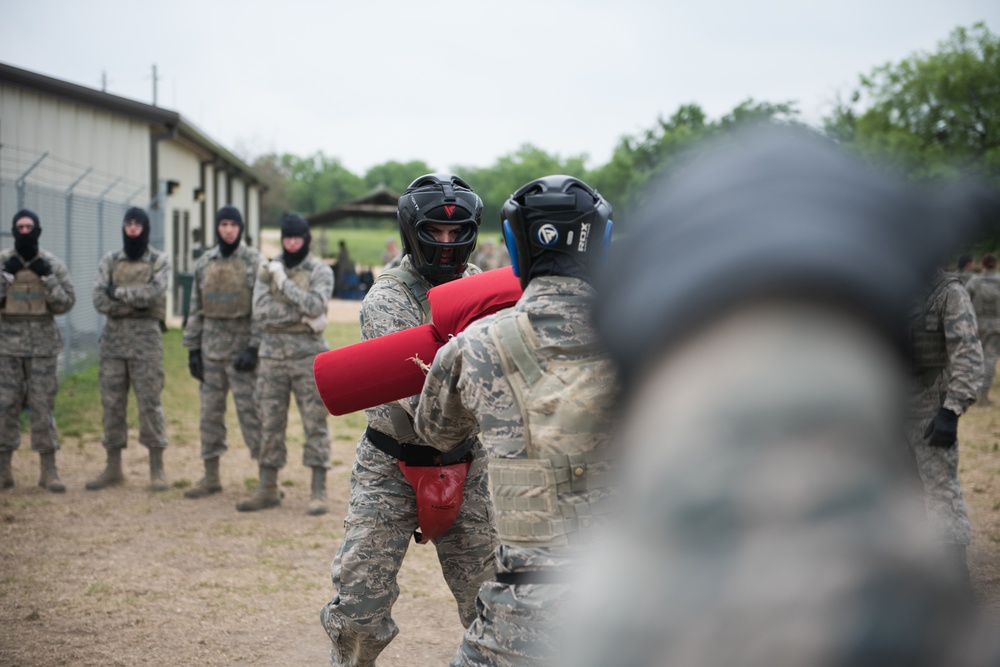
(81, 213)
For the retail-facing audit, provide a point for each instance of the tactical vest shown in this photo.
(301, 280)
(927, 340)
(137, 273)
(26, 298)
(565, 405)
(225, 294)
(415, 289)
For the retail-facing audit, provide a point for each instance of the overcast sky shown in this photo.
(462, 83)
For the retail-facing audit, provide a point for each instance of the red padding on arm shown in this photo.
(375, 371)
(456, 304)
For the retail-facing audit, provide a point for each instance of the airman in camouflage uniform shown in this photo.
(768, 513)
(439, 216)
(535, 380)
(223, 341)
(34, 286)
(984, 290)
(130, 289)
(949, 372)
(289, 305)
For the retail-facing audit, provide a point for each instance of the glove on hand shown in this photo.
(277, 270)
(246, 361)
(41, 267)
(110, 291)
(13, 265)
(317, 324)
(195, 366)
(943, 429)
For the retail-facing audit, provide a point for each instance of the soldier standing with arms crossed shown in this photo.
(223, 341)
(439, 217)
(535, 379)
(130, 290)
(34, 287)
(289, 304)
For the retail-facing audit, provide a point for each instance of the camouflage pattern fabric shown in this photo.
(29, 350)
(767, 518)
(286, 361)
(382, 516)
(222, 341)
(984, 290)
(33, 378)
(115, 376)
(126, 336)
(277, 380)
(518, 624)
(131, 353)
(289, 307)
(948, 310)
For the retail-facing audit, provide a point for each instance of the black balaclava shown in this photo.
(294, 224)
(136, 247)
(26, 245)
(228, 212)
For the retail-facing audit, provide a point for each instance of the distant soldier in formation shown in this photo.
(984, 290)
(130, 290)
(439, 217)
(35, 285)
(289, 305)
(948, 358)
(223, 342)
(536, 382)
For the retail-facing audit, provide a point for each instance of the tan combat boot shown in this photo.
(266, 495)
(317, 502)
(112, 473)
(6, 474)
(50, 477)
(208, 484)
(157, 479)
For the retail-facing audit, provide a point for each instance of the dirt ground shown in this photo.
(125, 577)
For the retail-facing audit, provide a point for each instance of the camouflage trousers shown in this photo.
(516, 626)
(145, 376)
(942, 491)
(33, 378)
(991, 350)
(381, 519)
(219, 378)
(277, 380)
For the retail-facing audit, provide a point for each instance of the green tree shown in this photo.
(395, 175)
(933, 114)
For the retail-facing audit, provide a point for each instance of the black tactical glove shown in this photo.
(195, 366)
(13, 264)
(41, 267)
(943, 429)
(110, 290)
(247, 361)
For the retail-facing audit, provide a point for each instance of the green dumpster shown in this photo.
(185, 279)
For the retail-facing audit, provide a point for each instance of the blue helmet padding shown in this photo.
(606, 241)
(508, 239)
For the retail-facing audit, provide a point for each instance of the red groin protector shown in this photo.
(439, 491)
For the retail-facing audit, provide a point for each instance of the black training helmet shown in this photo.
(556, 214)
(439, 199)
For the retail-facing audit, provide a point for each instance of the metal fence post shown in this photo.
(68, 338)
(19, 183)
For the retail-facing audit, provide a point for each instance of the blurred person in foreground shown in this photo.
(770, 511)
(222, 341)
(984, 290)
(439, 217)
(535, 382)
(966, 269)
(34, 287)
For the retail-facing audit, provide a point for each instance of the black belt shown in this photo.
(419, 455)
(534, 577)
